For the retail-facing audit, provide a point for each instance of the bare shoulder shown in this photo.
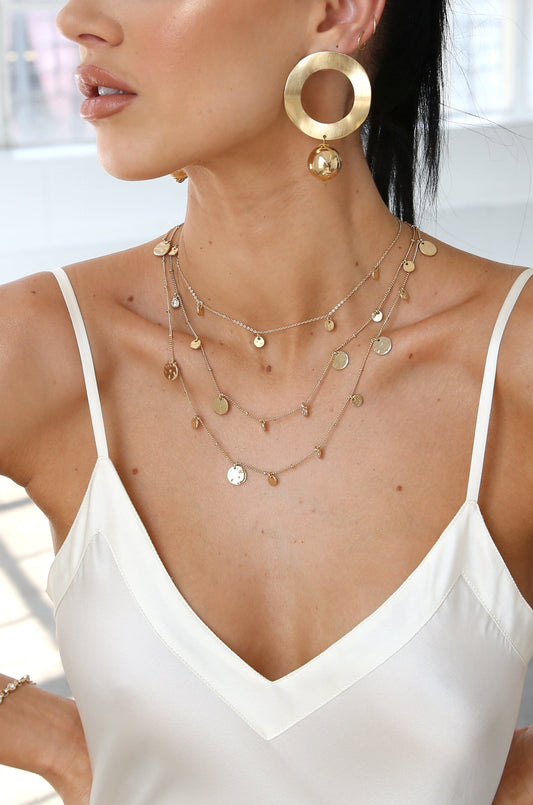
(485, 285)
(40, 372)
(488, 284)
(32, 335)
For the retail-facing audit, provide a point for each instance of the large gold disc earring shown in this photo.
(325, 162)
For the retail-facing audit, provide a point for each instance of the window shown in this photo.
(39, 101)
(491, 63)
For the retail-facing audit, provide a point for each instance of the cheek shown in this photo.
(209, 80)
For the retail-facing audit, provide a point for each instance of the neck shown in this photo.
(271, 246)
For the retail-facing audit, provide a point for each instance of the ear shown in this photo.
(347, 24)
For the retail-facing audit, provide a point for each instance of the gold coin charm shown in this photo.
(200, 308)
(377, 315)
(404, 294)
(340, 360)
(220, 405)
(263, 424)
(329, 324)
(196, 344)
(237, 475)
(174, 250)
(259, 342)
(428, 248)
(409, 266)
(357, 400)
(162, 248)
(319, 452)
(304, 409)
(272, 479)
(382, 345)
(171, 370)
(196, 422)
(175, 303)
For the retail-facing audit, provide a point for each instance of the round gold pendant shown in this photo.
(382, 345)
(428, 248)
(409, 266)
(329, 324)
(324, 162)
(196, 344)
(340, 360)
(404, 294)
(357, 400)
(162, 248)
(171, 370)
(174, 250)
(220, 405)
(259, 342)
(175, 303)
(377, 316)
(237, 475)
(272, 479)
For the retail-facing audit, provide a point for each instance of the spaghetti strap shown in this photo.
(89, 375)
(487, 387)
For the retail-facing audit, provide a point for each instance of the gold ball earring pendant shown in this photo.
(325, 161)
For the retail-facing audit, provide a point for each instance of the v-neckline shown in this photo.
(268, 706)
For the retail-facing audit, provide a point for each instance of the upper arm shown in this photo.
(34, 330)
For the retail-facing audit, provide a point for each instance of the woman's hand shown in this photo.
(516, 786)
(42, 733)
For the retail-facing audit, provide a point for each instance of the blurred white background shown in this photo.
(57, 206)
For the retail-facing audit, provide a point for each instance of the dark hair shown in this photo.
(403, 132)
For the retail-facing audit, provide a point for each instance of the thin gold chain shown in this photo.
(303, 407)
(355, 398)
(201, 305)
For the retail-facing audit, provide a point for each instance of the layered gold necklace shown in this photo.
(338, 360)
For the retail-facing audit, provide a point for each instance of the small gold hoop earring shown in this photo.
(325, 162)
(364, 44)
(179, 175)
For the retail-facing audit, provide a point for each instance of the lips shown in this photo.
(105, 94)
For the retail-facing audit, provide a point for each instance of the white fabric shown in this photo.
(415, 706)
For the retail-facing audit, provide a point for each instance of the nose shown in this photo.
(87, 23)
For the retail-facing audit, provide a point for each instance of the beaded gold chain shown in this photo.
(259, 339)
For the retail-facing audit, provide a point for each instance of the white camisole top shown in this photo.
(414, 706)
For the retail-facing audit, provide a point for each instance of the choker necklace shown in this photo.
(259, 339)
(380, 344)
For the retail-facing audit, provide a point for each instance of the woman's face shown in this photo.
(201, 77)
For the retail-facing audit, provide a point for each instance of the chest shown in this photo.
(281, 572)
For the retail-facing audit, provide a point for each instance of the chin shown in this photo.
(131, 157)
(129, 166)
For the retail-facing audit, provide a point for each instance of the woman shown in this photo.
(286, 391)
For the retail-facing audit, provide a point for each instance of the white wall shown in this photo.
(485, 202)
(58, 205)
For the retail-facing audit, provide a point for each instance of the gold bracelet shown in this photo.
(17, 683)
